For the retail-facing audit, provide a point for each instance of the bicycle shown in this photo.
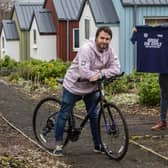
(111, 124)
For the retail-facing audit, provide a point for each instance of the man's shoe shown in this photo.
(58, 151)
(159, 126)
(99, 149)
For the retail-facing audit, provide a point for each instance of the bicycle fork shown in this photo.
(109, 123)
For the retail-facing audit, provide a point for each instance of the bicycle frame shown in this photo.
(101, 100)
(111, 123)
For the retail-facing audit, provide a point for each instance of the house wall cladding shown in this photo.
(125, 47)
(61, 40)
(61, 53)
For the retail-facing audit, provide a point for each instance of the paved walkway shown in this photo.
(18, 109)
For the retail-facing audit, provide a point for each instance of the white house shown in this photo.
(95, 13)
(43, 36)
(9, 40)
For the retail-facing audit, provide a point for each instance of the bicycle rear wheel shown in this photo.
(44, 123)
(113, 132)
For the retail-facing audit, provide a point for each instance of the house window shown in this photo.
(75, 38)
(87, 28)
(156, 21)
(34, 36)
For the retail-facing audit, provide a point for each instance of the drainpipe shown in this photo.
(67, 44)
(134, 24)
(135, 13)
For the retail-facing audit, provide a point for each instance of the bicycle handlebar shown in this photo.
(113, 77)
(103, 79)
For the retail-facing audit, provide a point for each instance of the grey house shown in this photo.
(9, 40)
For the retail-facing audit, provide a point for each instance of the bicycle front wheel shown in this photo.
(113, 131)
(44, 118)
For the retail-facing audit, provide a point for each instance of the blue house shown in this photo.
(136, 12)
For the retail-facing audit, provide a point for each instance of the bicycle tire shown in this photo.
(44, 120)
(113, 131)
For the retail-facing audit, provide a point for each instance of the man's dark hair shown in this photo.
(105, 29)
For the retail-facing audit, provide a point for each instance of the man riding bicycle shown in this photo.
(94, 60)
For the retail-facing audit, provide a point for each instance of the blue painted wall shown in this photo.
(126, 16)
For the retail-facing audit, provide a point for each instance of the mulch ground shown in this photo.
(18, 152)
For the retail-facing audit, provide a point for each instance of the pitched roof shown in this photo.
(45, 22)
(103, 11)
(144, 2)
(10, 30)
(24, 12)
(67, 9)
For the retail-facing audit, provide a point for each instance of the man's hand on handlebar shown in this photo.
(96, 77)
(99, 77)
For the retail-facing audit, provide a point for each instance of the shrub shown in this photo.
(42, 70)
(9, 63)
(51, 83)
(122, 85)
(117, 86)
(1, 61)
(46, 72)
(149, 93)
(25, 70)
(14, 77)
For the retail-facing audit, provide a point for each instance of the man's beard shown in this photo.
(103, 47)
